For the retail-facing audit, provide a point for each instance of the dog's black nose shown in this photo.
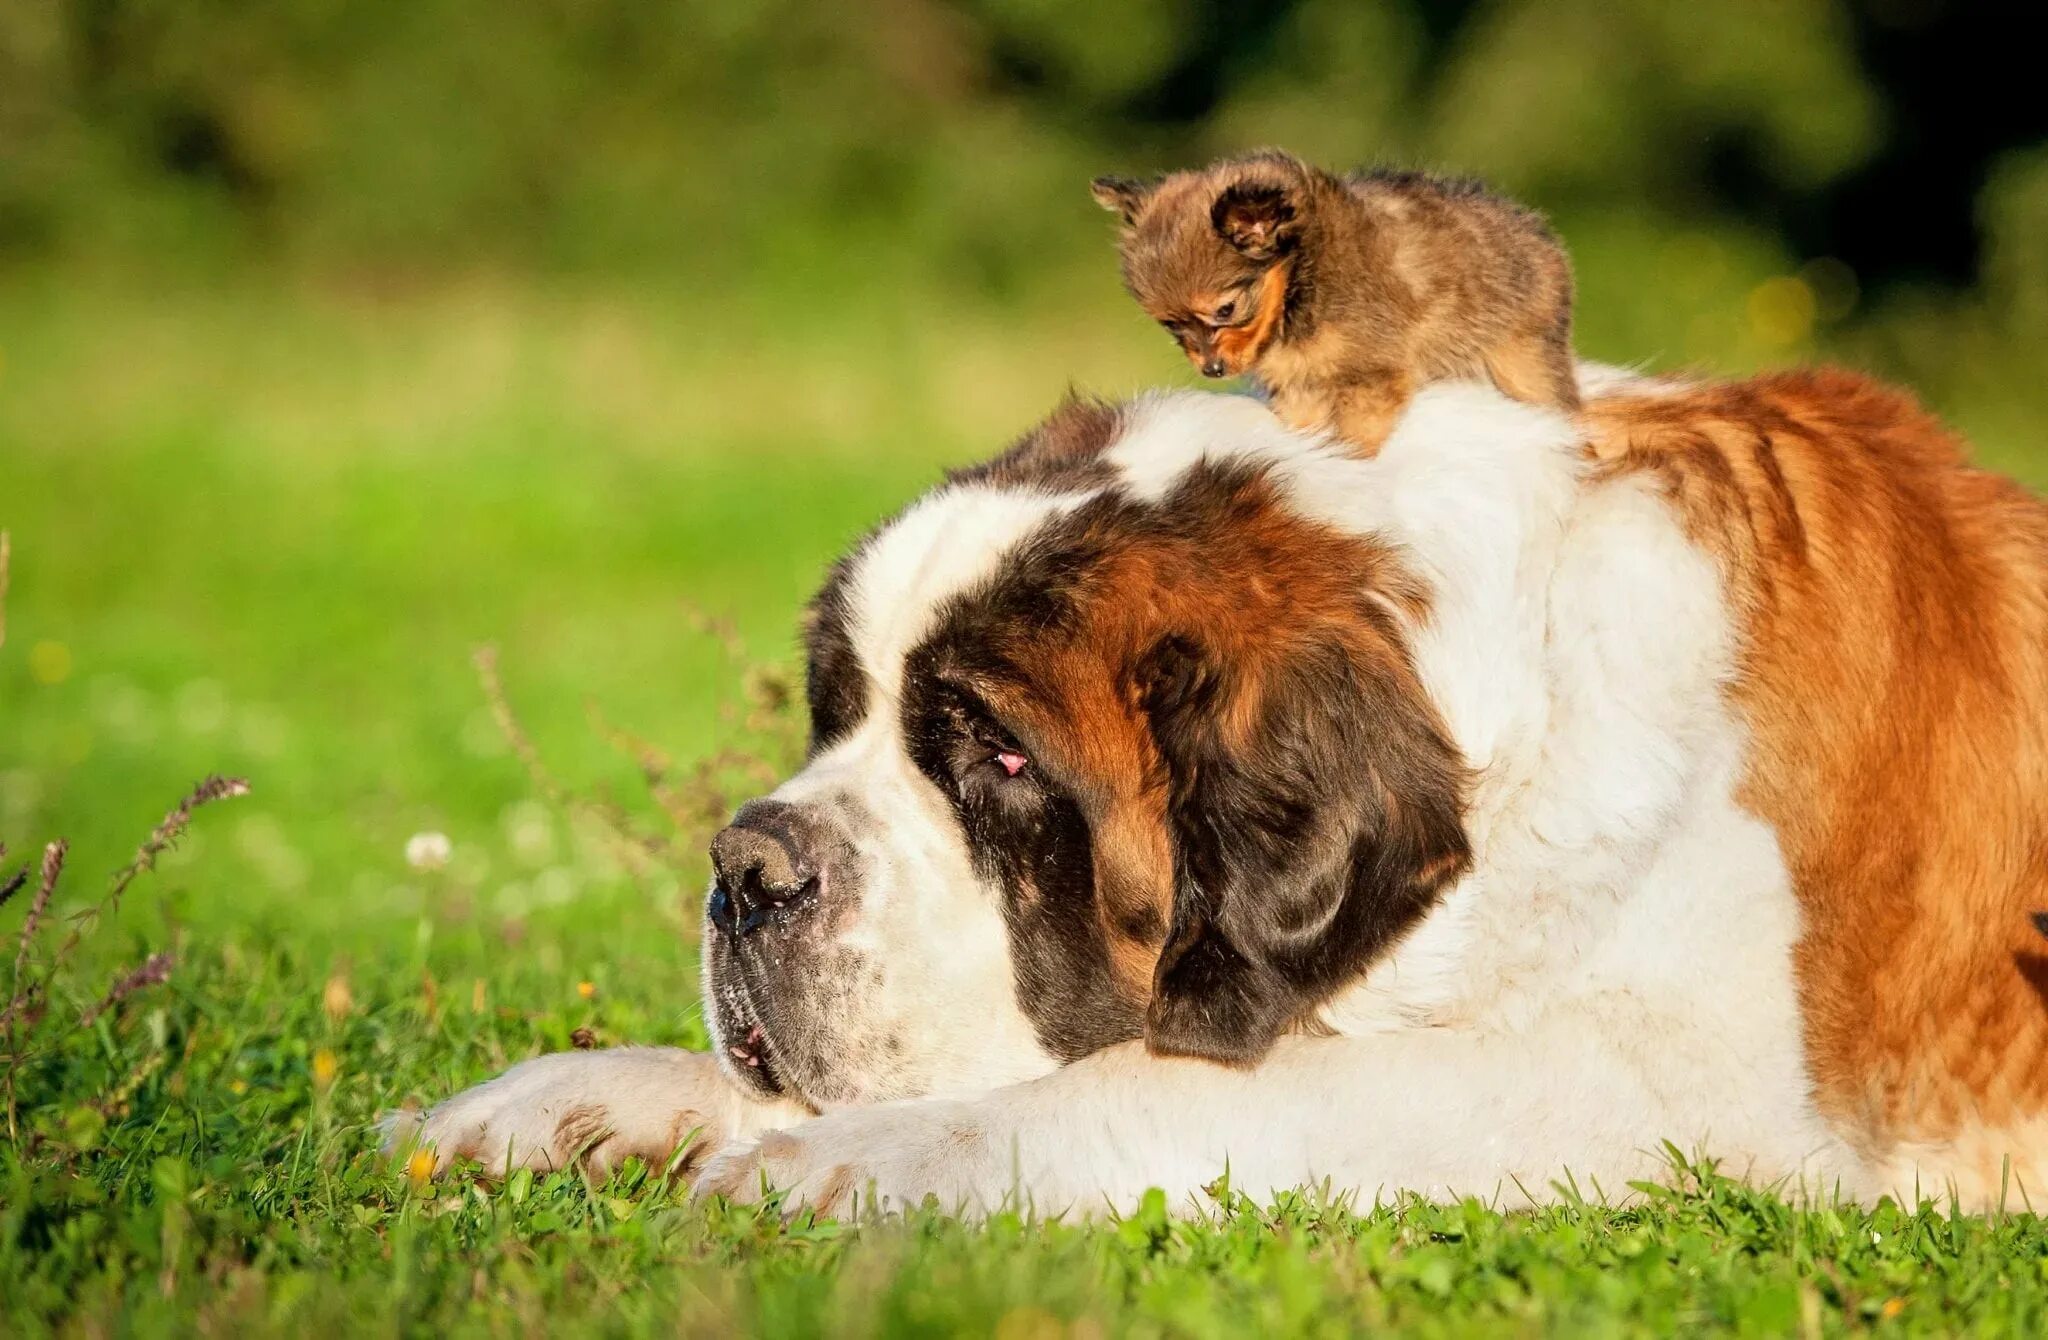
(764, 864)
(1213, 368)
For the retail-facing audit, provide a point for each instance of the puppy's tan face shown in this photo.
(1189, 260)
(1225, 323)
(1241, 323)
(1221, 308)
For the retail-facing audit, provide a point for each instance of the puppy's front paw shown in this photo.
(875, 1159)
(589, 1109)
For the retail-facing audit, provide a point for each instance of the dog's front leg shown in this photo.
(1442, 1112)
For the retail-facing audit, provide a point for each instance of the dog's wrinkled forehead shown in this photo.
(947, 544)
(886, 597)
(881, 600)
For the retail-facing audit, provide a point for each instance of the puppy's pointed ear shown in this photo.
(1122, 196)
(1315, 809)
(1259, 218)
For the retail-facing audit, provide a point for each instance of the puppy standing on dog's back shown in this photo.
(1343, 296)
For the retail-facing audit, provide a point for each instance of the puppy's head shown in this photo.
(1208, 254)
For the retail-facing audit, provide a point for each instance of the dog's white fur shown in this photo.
(1615, 972)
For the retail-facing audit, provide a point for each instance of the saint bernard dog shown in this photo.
(1186, 794)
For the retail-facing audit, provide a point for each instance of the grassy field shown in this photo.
(260, 533)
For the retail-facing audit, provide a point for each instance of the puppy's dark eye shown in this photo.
(1224, 312)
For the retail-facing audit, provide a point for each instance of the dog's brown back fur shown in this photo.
(1364, 288)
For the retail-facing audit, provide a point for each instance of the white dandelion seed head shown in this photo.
(428, 851)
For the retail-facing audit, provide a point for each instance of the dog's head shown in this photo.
(1209, 254)
(1100, 750)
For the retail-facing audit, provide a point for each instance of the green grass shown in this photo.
(260, 532)
(237, 1194)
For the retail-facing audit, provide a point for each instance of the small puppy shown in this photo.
(1342, 296)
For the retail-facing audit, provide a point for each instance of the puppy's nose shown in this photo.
(764, 864)
(1213, 367)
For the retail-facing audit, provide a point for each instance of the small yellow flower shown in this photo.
(238, 1086)
(325, 1067)
(337, 999)
(49, 662)
(1029, 1323)
(1782, 310)
(1892, 1307)
(587, 990)
(419, 1169)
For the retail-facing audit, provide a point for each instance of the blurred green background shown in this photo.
(336, 339)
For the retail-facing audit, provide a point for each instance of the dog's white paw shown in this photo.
(589, 1109)
(886, 1158)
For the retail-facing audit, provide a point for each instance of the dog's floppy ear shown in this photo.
(1315, 815)
(1260, 218)
(1122, 196)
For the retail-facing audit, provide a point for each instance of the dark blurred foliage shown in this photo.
(1884, 157)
